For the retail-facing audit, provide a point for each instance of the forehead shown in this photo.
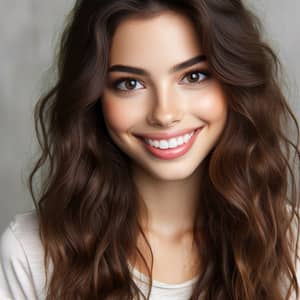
(161, 40)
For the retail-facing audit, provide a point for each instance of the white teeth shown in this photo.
(180, 140)
(171, 143)
(155, 143)
(163, 144)
(186, 138)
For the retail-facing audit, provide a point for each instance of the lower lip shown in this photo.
(172, 153)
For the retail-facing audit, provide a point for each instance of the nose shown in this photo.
(165, 108)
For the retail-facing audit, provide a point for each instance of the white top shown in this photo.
(22, 268)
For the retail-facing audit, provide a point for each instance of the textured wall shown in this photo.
(28, 32)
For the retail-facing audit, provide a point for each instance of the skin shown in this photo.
(163, 102)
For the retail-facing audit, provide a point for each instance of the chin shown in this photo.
(171, 171)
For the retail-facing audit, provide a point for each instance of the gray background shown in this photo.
(29, 30)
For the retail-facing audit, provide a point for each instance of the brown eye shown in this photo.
(193, 77)
(196, 76)
(127, 84)
(130, 84)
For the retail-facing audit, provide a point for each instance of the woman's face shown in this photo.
(157, 98)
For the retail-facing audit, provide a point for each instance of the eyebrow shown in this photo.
(176, 68)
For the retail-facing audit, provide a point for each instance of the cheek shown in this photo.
(212, 106)
(120, 114)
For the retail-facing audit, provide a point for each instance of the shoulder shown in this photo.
(23, 223)
(21, 258)
(21, 237)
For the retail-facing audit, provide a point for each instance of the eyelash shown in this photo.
(124, 79)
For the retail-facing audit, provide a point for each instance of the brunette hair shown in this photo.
(87, 204)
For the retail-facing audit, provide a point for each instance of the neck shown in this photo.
(167, 208)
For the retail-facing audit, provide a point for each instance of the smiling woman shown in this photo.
(165, 104)
(169, 172)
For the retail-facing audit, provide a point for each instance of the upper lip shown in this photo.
(167, 135)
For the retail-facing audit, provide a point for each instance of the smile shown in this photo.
(170, 143)
(171, 148)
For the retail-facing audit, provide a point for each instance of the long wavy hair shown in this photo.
(88, 204)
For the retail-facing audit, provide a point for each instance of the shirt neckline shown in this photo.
(161, 284)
